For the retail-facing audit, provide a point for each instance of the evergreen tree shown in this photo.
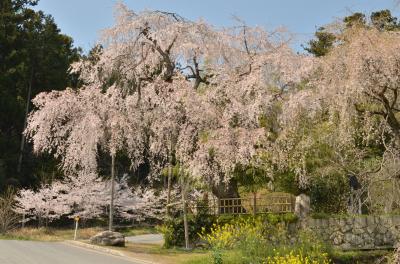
(324, 40)
(34, 57)
(322, 44)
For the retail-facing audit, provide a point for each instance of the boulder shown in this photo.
(108, 238)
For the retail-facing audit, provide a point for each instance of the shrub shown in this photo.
(259, 241)
(8, 218)
(329, 194)
(227, 236)
(202, 223)
(168, 233)
(174, 233)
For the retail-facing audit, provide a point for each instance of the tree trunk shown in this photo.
(40, 224)
(110, 224)
(185, 224)
(23, 220)
(28, 99)
(169, 190)
(390, 117)
(184, 205)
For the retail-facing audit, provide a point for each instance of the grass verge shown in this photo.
(158, 254)
(56, 234)
(48, 234)
(337, 257)
(361, 257)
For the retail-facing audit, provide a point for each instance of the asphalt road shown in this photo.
(31, 252)
(146, 239)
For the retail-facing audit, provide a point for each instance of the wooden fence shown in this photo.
(274, 203)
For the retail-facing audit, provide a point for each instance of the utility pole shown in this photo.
(110, 223)
(169, 180)
(184, 186)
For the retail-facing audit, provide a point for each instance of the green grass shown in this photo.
(56, 234)
(206, 259)
(338, 257)
(159, 249)
(229, 257)
(158, 254)
(12, 237)
(49, 234)
(359, 257)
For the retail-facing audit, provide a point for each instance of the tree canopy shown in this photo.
(34, 57)
(328, 36)
(223, 106)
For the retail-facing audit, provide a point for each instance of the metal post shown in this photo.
(76, 227)
(169, 183)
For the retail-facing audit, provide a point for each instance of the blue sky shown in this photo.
(83, 19)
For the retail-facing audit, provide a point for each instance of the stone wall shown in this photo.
(356, 232)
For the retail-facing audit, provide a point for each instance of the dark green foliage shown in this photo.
(329, 194)
(251, 177)
(324, 41)
(322, 44)
(356, 19)
(286, 182)
(383, 20)
(32, 51)
(173, 230)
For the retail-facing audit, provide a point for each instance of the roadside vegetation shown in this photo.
(48, 234)
(61, 234)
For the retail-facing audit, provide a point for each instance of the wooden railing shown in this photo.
(279, 203)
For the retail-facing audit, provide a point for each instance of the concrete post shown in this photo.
(302, 206)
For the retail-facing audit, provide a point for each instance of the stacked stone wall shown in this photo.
(356, 232)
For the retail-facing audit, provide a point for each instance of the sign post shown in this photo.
(76, 226)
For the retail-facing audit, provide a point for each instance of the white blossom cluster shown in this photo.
(173, 89)
(87, 197)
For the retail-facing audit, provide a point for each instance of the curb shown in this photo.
(107, 251)
(97, 248)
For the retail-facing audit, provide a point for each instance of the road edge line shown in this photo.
(94, 247)
(106, 250)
